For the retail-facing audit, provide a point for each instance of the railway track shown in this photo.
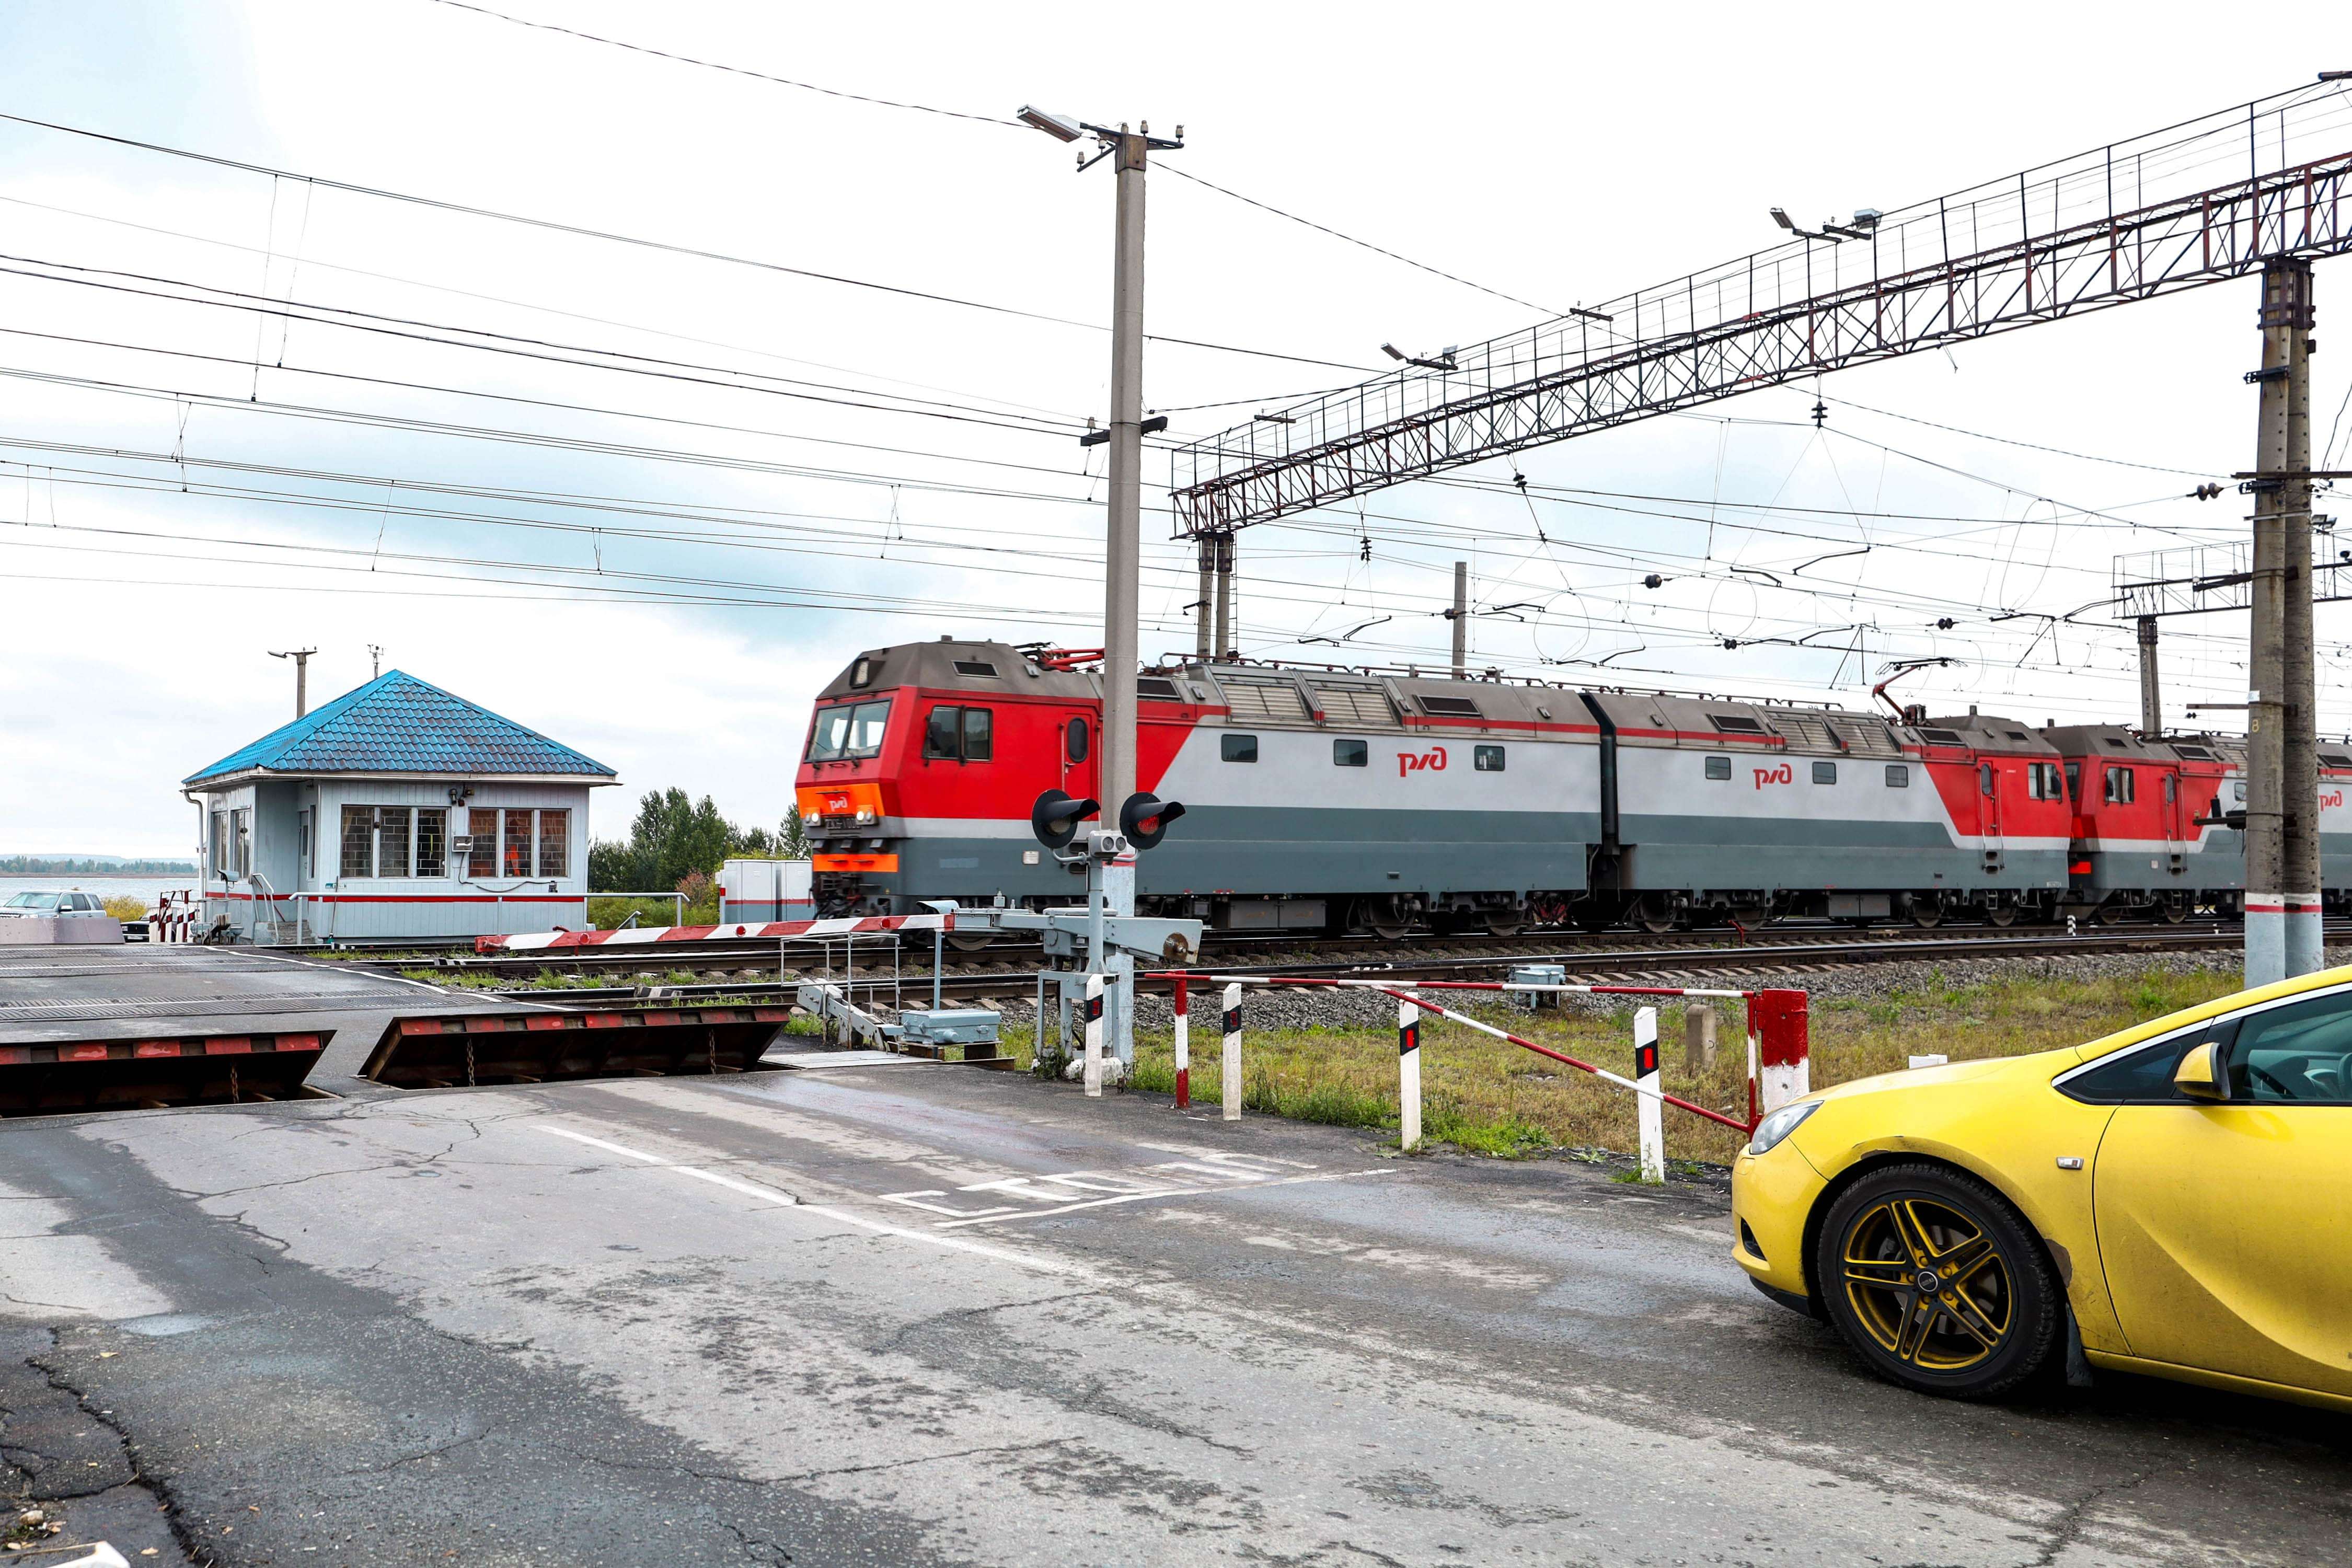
(1818, 951)
(724, 959)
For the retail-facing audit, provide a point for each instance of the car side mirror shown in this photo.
(2199, 1075)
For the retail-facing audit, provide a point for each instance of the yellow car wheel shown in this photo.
(1936, 1284)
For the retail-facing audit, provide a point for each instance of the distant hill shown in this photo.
(89, 865)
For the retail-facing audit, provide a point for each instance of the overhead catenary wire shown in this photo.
(700, 253)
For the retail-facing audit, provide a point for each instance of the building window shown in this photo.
(392, 840)
(482, 848)
(554, 843)
(1825, 772)
(303, 842)
(432, 842)
(1718, 767)
(514, 858)
(359, 841)
(1898, 776)
(1351, 754)
(2042, 780)
(2123, 788)
(220, 841)
(240, 827)
(1486, 760)
(1237, 748)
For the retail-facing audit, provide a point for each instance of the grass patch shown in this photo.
(1490, 1097)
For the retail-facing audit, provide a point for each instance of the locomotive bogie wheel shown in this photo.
(1936, 1284)
(2000, 915)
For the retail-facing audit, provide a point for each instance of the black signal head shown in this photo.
(1055, 818)
(1145, 818)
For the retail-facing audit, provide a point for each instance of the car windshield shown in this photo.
(34, 901)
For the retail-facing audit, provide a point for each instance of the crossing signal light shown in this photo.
(1055, 818)
(1145, 818)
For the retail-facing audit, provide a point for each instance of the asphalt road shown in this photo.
(916, 1314)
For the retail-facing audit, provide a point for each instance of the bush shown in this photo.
(126, 907)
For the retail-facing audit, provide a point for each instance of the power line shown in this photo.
(651, 366)
(1350, 240)
(732, 70)
(2009, 441)
(581, 231)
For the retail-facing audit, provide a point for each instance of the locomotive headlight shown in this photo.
(866, 818)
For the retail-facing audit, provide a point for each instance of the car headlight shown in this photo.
(1780, 1124)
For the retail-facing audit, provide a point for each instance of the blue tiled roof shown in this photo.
(399, 724)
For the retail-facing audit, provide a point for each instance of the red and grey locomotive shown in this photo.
(1323, 798)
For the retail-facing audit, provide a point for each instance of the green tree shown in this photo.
(674, 838)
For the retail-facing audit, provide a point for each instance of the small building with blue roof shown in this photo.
(397, 811)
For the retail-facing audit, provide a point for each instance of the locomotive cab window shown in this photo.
(866, 722)
(2042, 780)
(1349, 754)
(1487, 759)
(2123, 787)
(959, 734)
(1718, 767)
(1073, 740)
(1825, 772)
(1898, 776)
(1237, 748)
(2075, 780)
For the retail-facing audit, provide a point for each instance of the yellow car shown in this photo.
(2175, 1199)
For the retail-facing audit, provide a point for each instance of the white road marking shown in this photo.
(1168, 1193)
(786, 1200)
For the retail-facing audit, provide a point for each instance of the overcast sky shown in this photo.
(659, 559)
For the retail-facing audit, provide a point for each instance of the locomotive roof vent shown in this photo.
(1156, 686)
(1451, 706)
(979, 667)
(2333, 759)
(1736, 724)
(1942, 737)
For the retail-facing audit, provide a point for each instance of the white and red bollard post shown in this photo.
(1233, 1064)
(1408, 1076)
(1778, 1049)
(1184, 1047)
(1094, 1069)
(1649, 1109)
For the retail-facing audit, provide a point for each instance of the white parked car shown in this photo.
(30, 905)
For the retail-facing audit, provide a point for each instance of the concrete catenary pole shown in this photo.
(2151, 690)
(1126, 501)
(1461, 619)
(2281, 757)
(1225, 649)
(1204, 608)
(301, 657)
(2300, 787)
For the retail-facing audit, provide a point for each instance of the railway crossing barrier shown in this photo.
(1779, 1046)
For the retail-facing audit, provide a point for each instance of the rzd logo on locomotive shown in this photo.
(1781, 774)
(1407, 762)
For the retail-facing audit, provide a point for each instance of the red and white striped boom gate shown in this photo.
(661, 936)
(1779, 1046)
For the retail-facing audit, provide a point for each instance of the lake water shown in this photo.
(148, 887)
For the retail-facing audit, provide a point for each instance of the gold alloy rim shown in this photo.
(1926, 1282)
